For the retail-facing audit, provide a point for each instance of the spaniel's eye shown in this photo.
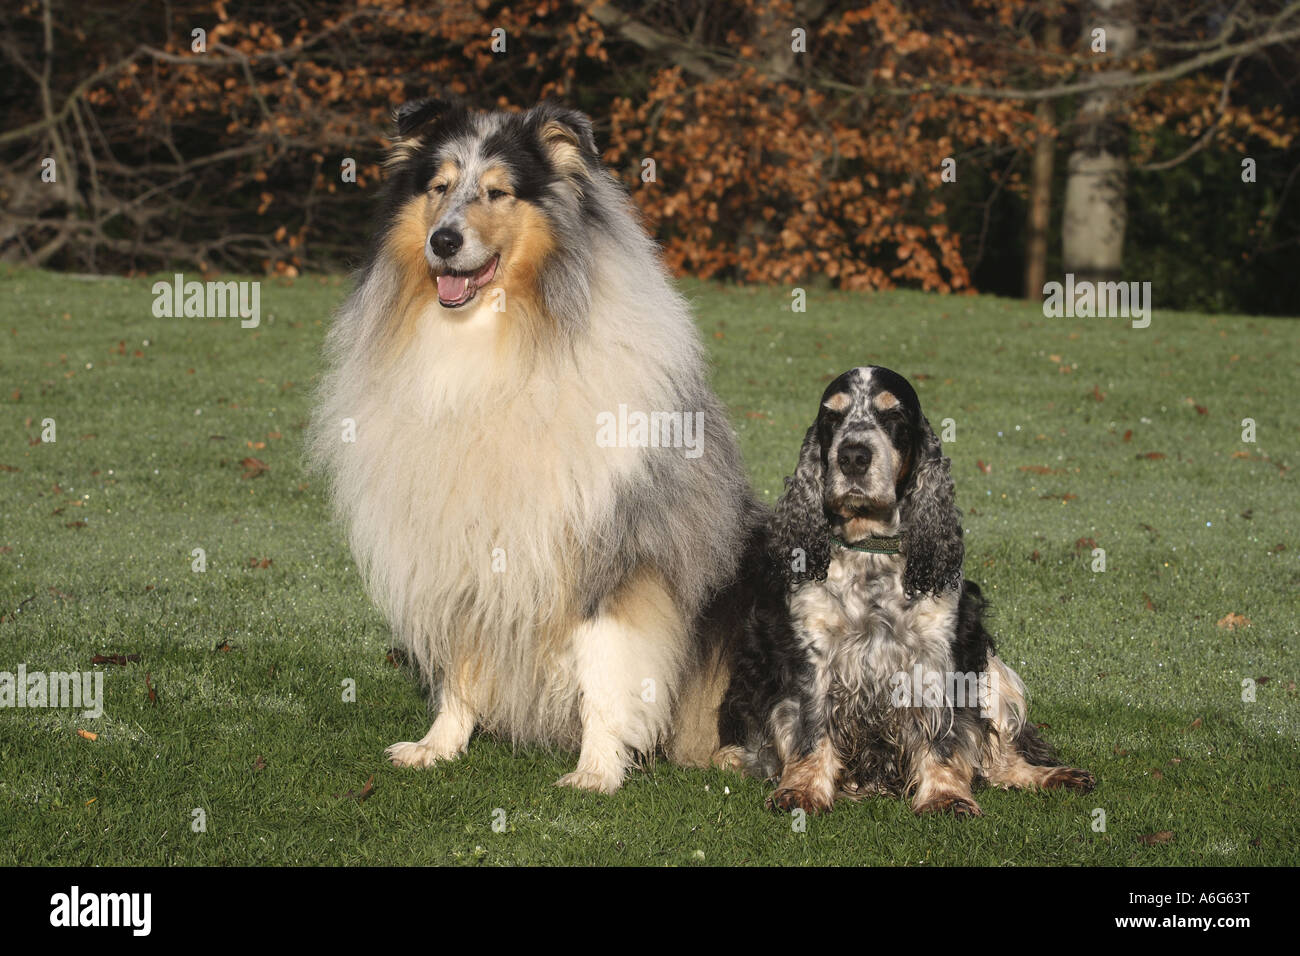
(440, 188)
(495, 194)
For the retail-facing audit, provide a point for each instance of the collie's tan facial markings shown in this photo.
(444, 176)
(523, 239)
(405, 246)
(517, 231)
(496, 178)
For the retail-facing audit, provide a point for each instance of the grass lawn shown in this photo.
(1068, 432)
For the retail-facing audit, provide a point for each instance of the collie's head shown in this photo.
(494, 208)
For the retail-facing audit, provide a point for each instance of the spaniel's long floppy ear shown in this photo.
(932, 539)
(801, 539)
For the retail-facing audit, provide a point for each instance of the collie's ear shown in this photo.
(800, 548)
(932, 540)
(567, 137)
(410, 122)
(415, 114)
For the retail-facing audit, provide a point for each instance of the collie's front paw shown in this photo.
(415, 754)
(595, 782)
(729, 758)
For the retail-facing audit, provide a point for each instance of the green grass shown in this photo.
(1127, 667)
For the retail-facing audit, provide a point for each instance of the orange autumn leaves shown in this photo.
(771, 165)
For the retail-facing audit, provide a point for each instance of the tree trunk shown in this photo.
(1040, 186)
(1092, 237)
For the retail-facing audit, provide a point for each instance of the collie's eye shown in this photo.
(495, 194)
(440, 188)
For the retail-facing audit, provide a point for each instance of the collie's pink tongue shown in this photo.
(453, 288)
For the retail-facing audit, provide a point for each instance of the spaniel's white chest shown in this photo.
(863, 629)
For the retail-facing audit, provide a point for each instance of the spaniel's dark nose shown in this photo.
(445, 242)
(854, 459)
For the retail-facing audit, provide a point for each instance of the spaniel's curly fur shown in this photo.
(859, 665)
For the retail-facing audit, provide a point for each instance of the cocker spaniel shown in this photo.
(867, 668)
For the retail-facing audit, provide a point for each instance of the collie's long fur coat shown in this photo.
(551, 588)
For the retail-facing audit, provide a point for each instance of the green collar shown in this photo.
(873, 544)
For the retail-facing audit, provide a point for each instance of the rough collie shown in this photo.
(539, 487)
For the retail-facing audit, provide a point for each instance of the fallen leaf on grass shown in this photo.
(259, 764)
(1231, 621)
(1152, 455)
(1128, 435)
(361, 795)
(255, 563)
(1085, 543)
(224, 646)
(1151, 839)
(148, 683)
(1194, 724)
(983, 467)
(1040, 470)
(253, 467)
(1146, 600)
(87, 735)
(120, 659)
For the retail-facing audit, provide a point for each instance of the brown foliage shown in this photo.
(770, 165)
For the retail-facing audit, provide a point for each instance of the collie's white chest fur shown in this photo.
(473, 474)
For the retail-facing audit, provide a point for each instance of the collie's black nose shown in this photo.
(445, 242)
(854, 459)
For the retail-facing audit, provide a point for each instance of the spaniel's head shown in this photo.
(871, 468)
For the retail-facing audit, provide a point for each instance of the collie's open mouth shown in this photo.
(456, 288)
